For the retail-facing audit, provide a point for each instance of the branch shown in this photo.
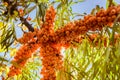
(24, 21)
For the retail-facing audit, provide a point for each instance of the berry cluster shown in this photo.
(27, 37)
(21, 57)
(49, 51)
(51, 61)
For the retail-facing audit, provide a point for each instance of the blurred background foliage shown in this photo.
(84, 62)
(90, 62)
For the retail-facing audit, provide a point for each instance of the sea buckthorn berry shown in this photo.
(110, 24)
(103, 19)
(102, 14)
(86, 17)
(109, 19)
(118, 9)
(105, 13)
(99, 19)
(21, 12)
(67, 32)
(97, 14)
(28, 18)
(112, 12)
(114, 17)
(93, 36)
(76, 22)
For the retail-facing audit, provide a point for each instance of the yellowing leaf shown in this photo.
(0, 73)
(7, 69)
(1, 50)
(1, 24)
(15, 13)
(15, 42)
(24, 27)
(12, 53)
(20, 25)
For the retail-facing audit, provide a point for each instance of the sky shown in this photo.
(88, 5)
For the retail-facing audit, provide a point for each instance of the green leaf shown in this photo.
(42, 10)
(3, 59)
(28, 10)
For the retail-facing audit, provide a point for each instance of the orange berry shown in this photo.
(28, 18)
(113, 17)
(21, 12)
(113, 12)
(99, 19)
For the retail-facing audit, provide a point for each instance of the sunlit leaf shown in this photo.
(24, 28)
(1, 24)
(12, 53)
(42, 10)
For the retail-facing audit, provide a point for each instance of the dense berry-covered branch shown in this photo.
(90, 22)
(21, 57)
(51, 61)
